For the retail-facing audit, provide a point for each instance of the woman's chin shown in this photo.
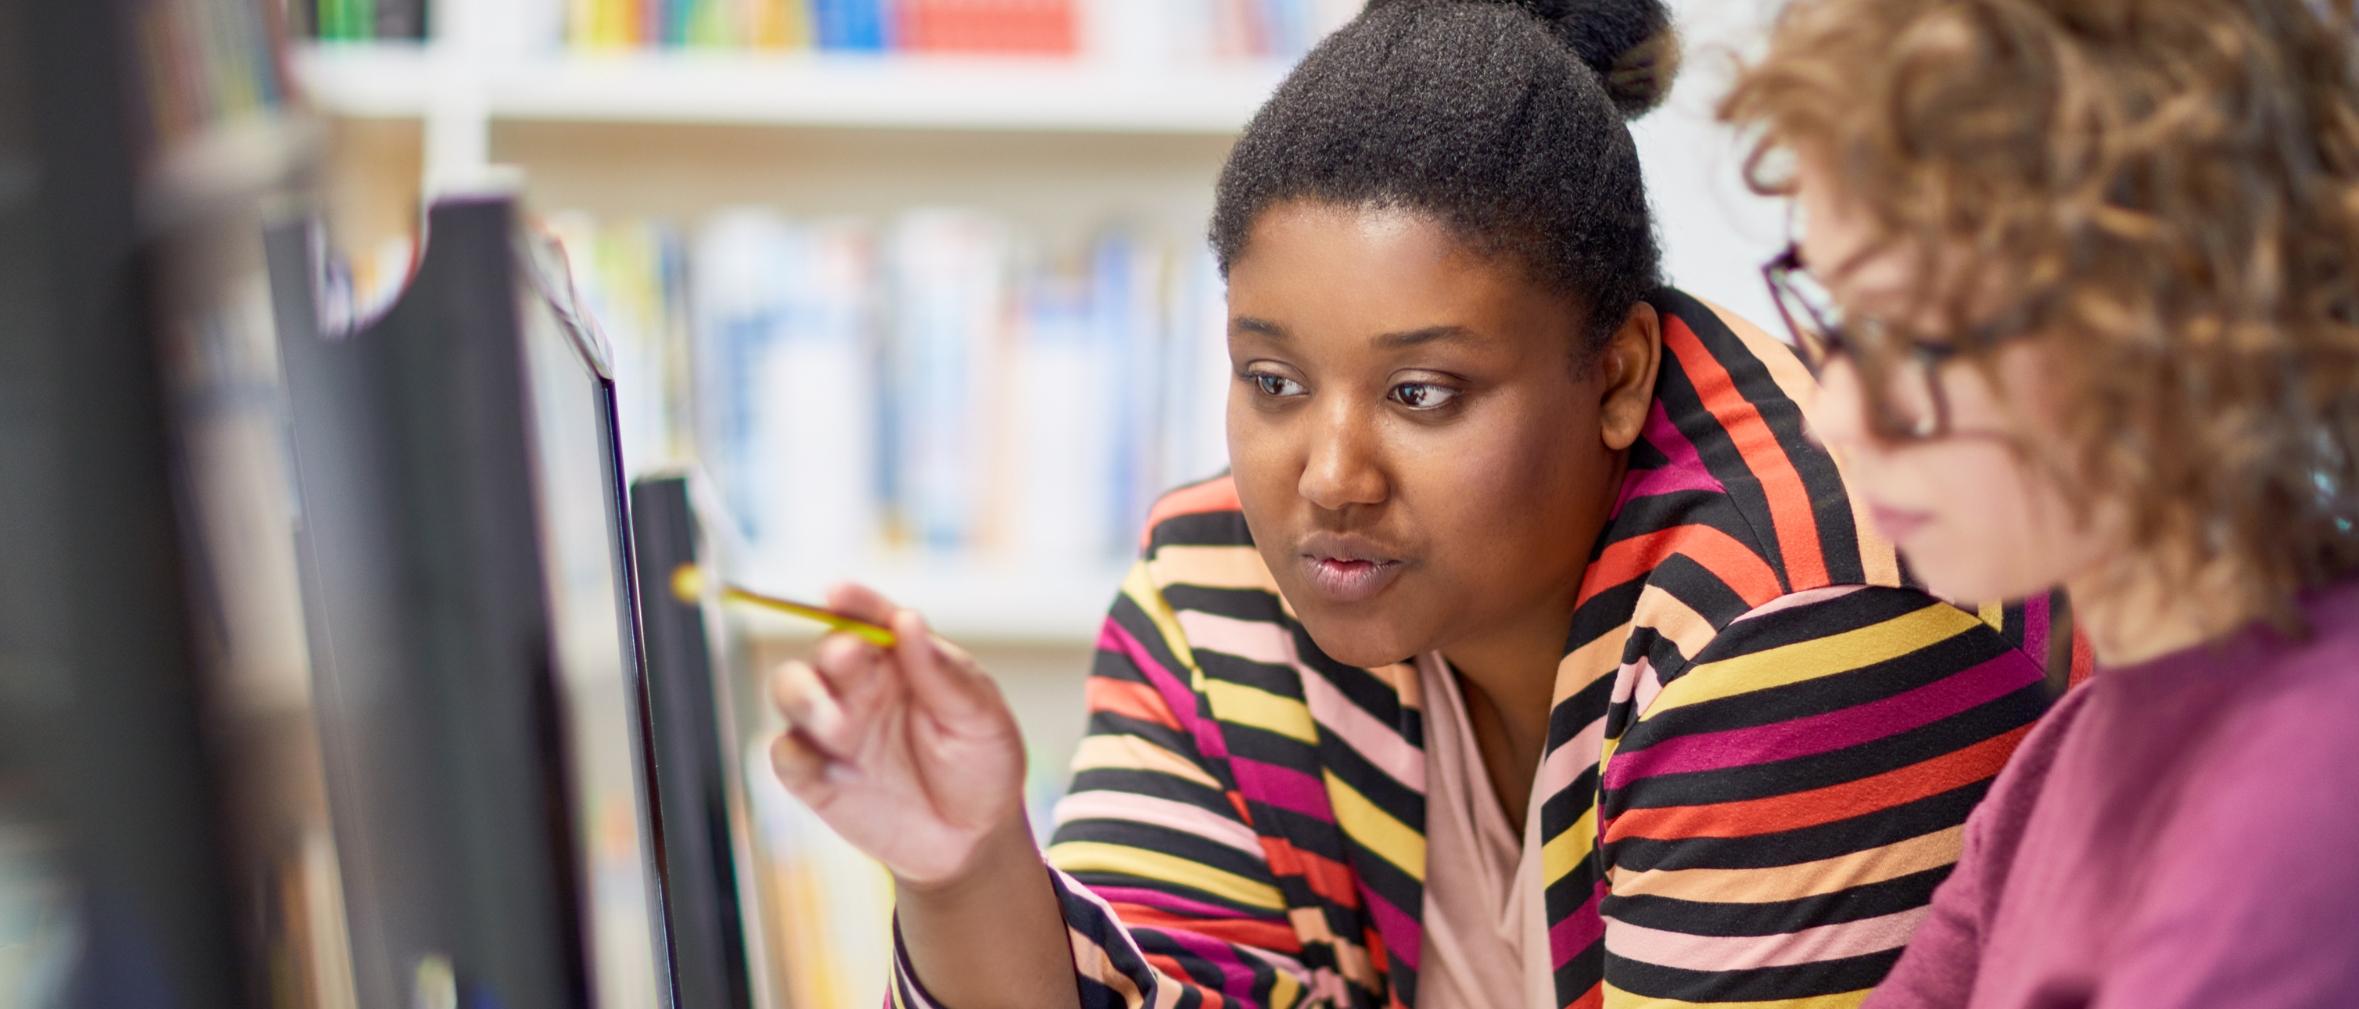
(1973, 581)
(1367, 642)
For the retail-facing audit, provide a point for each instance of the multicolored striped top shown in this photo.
(1760, 755)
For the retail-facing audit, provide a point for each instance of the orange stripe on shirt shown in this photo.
(1130, 700)
(1735, 564)
(1796, 810)
(1210, 496)
(1169, 966)
(1330, 879)
(1789, 501)
(2084, 659)
(1591, 999)
(1274, 936)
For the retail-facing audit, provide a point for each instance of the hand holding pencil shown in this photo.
(908, 751)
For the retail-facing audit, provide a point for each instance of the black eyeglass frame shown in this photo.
(1820, 342)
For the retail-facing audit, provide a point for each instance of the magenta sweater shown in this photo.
(2182, 834)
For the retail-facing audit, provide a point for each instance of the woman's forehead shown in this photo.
(1379, 270)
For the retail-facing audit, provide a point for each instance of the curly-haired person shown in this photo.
(2081, 280)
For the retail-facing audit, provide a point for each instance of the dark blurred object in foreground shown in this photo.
(112, 798)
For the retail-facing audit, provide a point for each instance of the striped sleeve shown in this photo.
(1778, 816)
(1168, 897)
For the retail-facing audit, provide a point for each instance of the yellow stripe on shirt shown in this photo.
(1077, 857)
(1813, 659)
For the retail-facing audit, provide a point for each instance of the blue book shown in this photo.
(828, 24)
(1290, 27)
(864, 26)
(822, 38)
(1122, 320)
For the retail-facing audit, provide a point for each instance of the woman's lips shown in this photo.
(1898, 525)
(1344, 580)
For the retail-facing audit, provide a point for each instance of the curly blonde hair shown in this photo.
(2167, 188)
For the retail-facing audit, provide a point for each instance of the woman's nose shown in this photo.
(1343, 468)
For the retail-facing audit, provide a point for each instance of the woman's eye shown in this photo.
(1423, 395)
(1275, 386)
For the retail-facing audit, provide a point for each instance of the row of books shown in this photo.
(207, 65)
(359, 20)
(940, 383)
(1155, 30)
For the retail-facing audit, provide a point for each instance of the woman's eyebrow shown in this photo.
(1388, 341)
(1429, 334)
(1257, 327)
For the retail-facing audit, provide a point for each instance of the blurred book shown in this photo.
(825, 908)
(633, 279)
(360, 20)
(1131, 32)
(786, 383)
(939, 384)
(208, 64)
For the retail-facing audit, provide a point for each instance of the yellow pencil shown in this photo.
(688, 587)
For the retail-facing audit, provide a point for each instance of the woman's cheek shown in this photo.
(1257, 458)
(1992, 536)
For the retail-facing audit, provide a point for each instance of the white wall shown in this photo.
(1716, 234)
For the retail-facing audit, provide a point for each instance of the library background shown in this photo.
(371, 366)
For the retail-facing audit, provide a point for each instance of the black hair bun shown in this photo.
(1629, 43)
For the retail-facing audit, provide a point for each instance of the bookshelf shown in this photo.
(1055, 146)
(375, 80)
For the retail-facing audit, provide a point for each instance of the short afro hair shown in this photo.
(1505, 120)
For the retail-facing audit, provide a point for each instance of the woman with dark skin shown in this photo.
(1531, 654)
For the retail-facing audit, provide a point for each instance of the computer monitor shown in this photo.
(705, 850)
(481, 700)
(593, 603)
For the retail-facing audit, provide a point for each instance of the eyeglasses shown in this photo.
(1899, 374)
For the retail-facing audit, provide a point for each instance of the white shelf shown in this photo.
(917, 93)
(368, 81)
(876, 93)
(979, 605)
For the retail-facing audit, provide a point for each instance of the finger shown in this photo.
(799, 766)
(861, 603)
(848, 665)
(810, 708)
(947, 685)
(861, 681)
(959, 658)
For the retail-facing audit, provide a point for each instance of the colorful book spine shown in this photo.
(852, 26)
(302, 19)
(948, 285)
(358, 20)
(939, 382)
(399, 19)
(1127, 32)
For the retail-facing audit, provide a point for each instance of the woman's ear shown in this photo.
(1626, 377)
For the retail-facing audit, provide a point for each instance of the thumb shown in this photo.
(946, 681)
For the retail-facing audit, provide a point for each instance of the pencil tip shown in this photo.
(688, 583)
